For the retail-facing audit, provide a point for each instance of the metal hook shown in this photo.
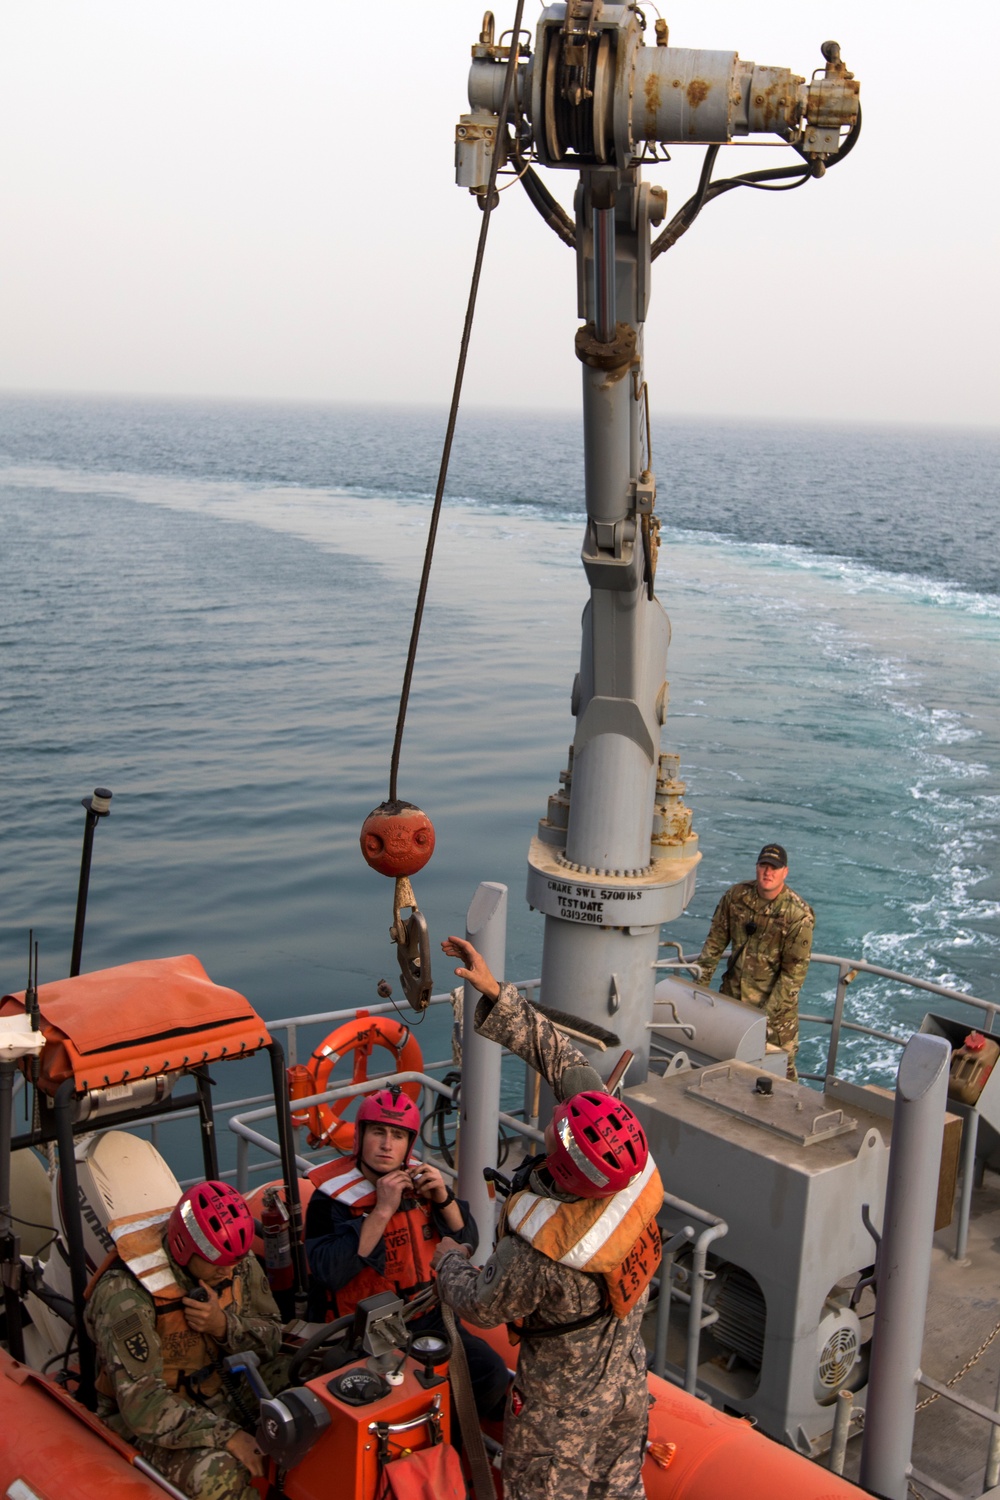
(869, 1276)
(414, 955)
(413, 946)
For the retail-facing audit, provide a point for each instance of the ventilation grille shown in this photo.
(838, 1358)
(742, 1311)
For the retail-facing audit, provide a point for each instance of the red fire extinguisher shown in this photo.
(274, 1224)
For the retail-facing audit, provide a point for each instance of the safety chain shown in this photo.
(929, 1400)
(963, 1371)
(934, 1396)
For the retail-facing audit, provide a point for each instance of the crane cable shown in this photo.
(487, 206)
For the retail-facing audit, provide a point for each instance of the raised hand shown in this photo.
(476, 969)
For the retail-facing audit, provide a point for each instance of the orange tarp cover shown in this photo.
(156, 1016)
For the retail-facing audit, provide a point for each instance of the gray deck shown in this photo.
(963, 1310)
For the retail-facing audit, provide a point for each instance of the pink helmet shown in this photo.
(213, 1221)
(386, 1107)
(600, 1146)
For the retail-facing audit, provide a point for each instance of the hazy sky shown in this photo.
(233, 198)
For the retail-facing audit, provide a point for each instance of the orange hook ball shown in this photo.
(397, 839)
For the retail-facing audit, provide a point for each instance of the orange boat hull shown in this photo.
(57, 1448)
(705, 1454)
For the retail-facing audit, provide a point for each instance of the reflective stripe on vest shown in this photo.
(344, 1181)
(615, 1237)
(185, 1353)
(139, 1241)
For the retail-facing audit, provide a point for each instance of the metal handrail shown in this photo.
(290, 1024)
(847, 971)
(252, 1101)
(240, 1125)
(714, 1229)
(976, 1409)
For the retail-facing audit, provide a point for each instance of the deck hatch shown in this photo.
(789, 1110)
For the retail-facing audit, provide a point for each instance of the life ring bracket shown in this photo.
(360, 1036)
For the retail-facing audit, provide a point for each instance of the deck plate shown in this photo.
(790, 1110)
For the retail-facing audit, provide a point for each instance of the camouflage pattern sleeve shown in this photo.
(517, 1025)
(122, 1321)
(793, 964)
(510, 1285)
(717, 941)
(256, 1324)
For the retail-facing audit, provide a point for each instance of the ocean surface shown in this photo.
(206, 607)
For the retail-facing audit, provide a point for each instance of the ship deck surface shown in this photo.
(963, 1310)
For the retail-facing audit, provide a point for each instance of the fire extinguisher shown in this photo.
(274, 1225)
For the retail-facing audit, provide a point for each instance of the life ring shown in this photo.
(359, 1036)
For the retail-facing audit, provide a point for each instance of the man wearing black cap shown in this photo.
(770, 929)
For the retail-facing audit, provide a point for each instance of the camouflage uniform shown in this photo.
(577, 1413)
(185, 1441)
(766, 966)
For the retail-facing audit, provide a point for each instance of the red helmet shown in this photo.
(387, 1107)
(213, 1221)
(600, 1146)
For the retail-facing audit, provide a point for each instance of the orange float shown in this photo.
(397, 839)
(326, 1128)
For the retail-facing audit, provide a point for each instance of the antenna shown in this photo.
(33, 1012)
(98, 806)
(31, 993)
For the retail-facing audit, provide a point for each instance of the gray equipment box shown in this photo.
(791, 1171)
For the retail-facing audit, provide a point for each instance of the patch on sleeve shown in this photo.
(133, 1346)
(138, 1347)
(497, 1268)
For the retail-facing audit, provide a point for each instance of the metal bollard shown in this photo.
(486, 927)
(842, 1414)
(905, 1263)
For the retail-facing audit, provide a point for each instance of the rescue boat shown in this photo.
(119, 1050)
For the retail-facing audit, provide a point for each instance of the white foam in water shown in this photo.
(225, 652)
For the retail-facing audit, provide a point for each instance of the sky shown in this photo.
(230, 198)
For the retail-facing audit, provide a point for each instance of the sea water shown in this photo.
(206, 608)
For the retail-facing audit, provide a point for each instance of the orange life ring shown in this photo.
(359, 1036)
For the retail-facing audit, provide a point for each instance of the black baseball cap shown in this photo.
(773, 855)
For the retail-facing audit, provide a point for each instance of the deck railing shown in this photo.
(848, 969)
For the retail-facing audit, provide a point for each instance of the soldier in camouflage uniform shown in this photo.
(188, 1425)
(577, 1413)
(771, 932)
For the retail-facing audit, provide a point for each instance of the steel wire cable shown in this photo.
(488, 204)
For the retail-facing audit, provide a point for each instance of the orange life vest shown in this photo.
(190, 1359)
(616, 1238)
(410, 1237)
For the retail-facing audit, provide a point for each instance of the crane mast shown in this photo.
(615, 855)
